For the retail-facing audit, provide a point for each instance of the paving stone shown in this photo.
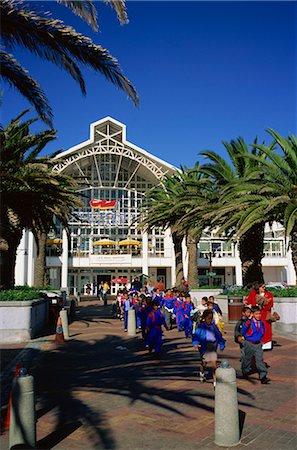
(93, 396)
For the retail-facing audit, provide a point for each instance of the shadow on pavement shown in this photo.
(71, 376)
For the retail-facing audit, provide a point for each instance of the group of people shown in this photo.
(203, 323)
(253, 332)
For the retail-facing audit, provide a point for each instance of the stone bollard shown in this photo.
(226, 407)
(22, 431)
(131, 323)
(64, 318)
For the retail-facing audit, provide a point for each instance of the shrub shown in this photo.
(19, 293)
(277, 292)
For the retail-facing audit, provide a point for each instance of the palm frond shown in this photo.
(120, 8)
(52, 40)
(18, 77)
(85, 9)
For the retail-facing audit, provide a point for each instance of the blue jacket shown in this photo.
(199, 337)
(253, 330)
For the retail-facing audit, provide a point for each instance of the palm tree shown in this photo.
(58, 43)
(169, 205)
(31, 194)
(159, 210)
(270, 194)
(196, 195)
(226, 215)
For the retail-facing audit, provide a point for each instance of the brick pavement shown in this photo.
(92, 395)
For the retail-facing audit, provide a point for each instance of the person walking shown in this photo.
(105, 292)
(178, 311)
(187, 322)
(253, 331)
(127, 305)
(259, 296)
(238, 338)
(206, 339)
(154, 323)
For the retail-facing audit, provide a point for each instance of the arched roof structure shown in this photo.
(108, 136)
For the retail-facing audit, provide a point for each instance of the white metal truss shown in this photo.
(114, 148)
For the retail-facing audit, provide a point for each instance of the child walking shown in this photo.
(238, 338)
(154, 323)
(206, 339)
(253, 330)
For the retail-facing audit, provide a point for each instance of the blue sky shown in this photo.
(205, 72)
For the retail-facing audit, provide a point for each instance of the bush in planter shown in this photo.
(19, 293)
(286, 292)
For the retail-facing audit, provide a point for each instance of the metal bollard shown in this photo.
(131, 323)
(64, 318)
(226, 407)
(22, 431)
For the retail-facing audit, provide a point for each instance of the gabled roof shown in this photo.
(111, 129)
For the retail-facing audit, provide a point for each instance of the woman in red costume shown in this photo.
(258, 296)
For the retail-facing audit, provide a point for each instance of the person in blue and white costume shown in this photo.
(206, 339)
(168, 305)
(127, 304)
(155, 320)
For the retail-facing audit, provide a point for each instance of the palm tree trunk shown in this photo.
(294, 246)
(179, 270)
(39, 271)
(192, 260)
(251, 251)
(10, 238)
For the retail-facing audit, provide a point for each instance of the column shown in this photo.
(145, 253)
(31, 258)
(21, 266)
(238, 269)
(64, 280)
(291, 274)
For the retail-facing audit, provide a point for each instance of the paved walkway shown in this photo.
(102, 390)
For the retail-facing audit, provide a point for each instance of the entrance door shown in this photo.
(103, 278)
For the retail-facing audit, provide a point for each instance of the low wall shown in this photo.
(287, 309)
(198, 294)
(22, 321)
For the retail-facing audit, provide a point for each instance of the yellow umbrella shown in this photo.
(104, 243)
(54, 241)
(129, 242)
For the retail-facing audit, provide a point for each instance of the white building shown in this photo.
(105, 243)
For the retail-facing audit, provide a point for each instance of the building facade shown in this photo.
(104, 242)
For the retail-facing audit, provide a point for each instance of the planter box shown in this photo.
(22, 321)
(287, 309)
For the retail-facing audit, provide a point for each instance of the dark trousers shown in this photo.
(251, 350)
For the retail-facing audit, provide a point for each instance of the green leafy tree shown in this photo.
(31, 194)
(195, 196)
(159, 211)
(169, 206)
(270, 193)
(226, 214)
(53, 41)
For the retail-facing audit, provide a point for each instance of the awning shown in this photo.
(122, 280)
(54, 241)
(104, 243)
(130, 243)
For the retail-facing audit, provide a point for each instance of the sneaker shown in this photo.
(202, 377)
(265, 380)
(125, 329)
